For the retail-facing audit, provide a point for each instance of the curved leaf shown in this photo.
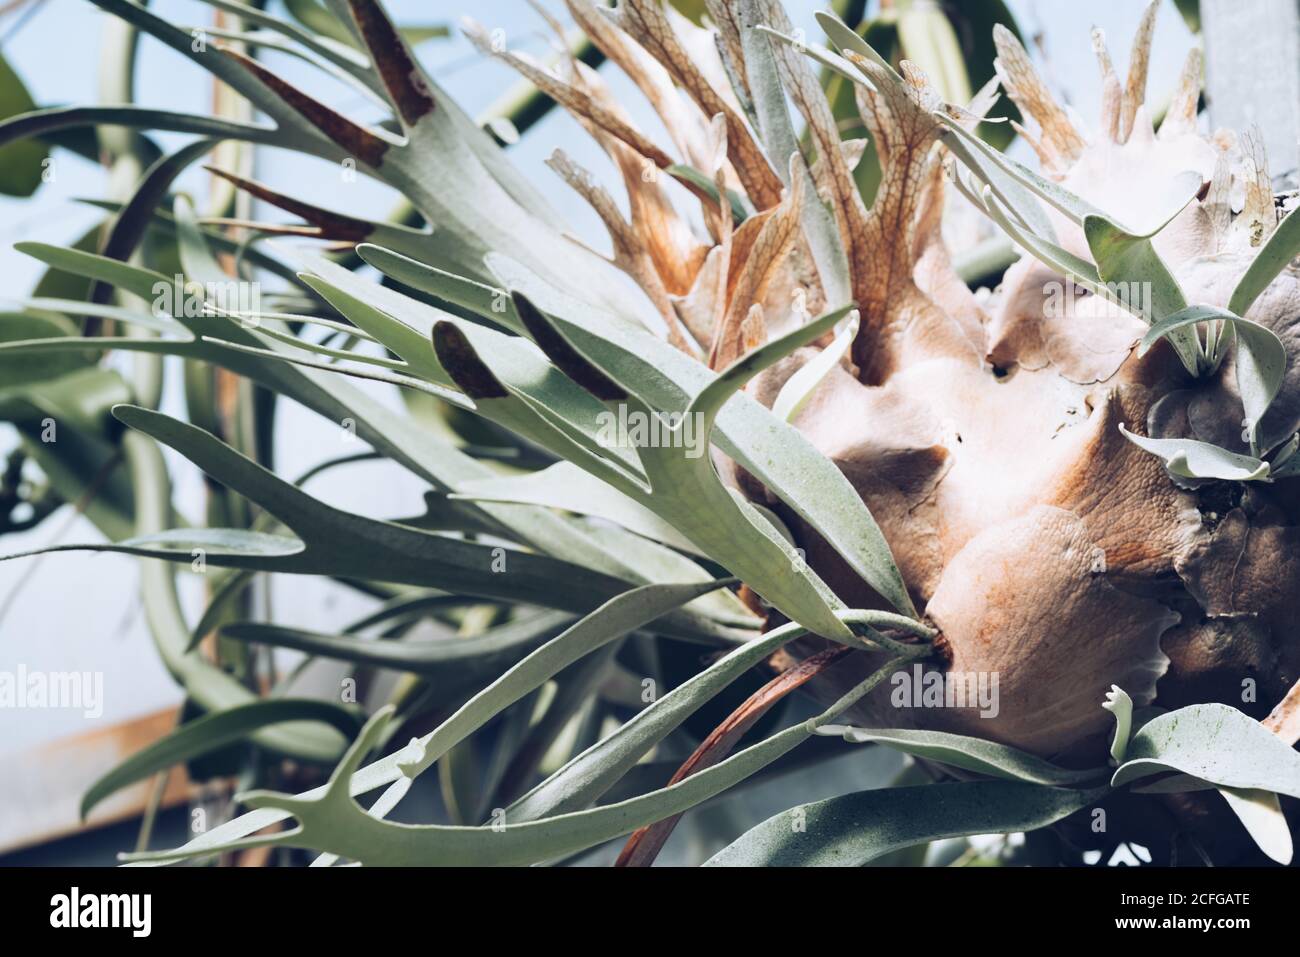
(1127, 257)
(1261, 815)
(800, 386)
(44, 122)
(972, 754)
(460, 659)
(21, 370)
(623, 613)
(852, 830)
(587, 776)
(565, 486)
(1190, 459)
(132, 220)
(1120, 705)
(1261, 357)
(330, 820)
(1216, 743)
(1278, 251)
(397, 436)
(22, 165)
(776, 453)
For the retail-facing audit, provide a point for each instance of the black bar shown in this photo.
(370, 905)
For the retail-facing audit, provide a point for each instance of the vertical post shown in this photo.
(1252, 69)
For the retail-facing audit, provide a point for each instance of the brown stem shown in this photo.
(644, 845)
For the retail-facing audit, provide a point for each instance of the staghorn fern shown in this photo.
(1002, 446)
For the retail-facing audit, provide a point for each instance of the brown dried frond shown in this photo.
(1059, 139)
(1180, 118)
(574, 100)
(725, 15)
(904, 129)
(832, 172)
(771, 243)
(647, 22)
(667, 237)
(1112, 92)
(685, 123)
(1217, 204)
(702, 309)
(1259, 215)
(1135, 89)
(630, 253)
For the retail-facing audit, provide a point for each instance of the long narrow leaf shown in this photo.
(211, 732)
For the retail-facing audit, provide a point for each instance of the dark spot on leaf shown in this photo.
(353, 139)
(334, 226)
(401, 74)
(566, 358)
(464, 366)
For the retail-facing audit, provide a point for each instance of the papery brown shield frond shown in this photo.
(753, 330)
(1112, 91)
(1284, 720)
(1028, 591)
(936, 277)
(832, 172)
(902, 125)
(665, 236)
(725, 15)
(1218, 203)
(1258, 217)
(704, 307)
